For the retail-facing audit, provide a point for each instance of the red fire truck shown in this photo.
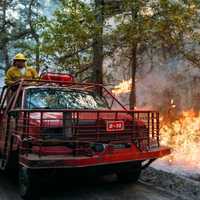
(55, 124)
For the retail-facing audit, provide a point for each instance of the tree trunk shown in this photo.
(6, 57)
(37, 58)
(97, 74)
(132, 97)
(35, 35)
(4, 43)
(134, 12)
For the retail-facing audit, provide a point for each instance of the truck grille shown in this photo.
(140, 127)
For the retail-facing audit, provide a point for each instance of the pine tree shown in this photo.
(159, 25)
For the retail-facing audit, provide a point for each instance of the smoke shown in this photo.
(159, 84)
(156, 86)
(175, 79)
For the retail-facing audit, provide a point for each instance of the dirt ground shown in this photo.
(107, 188)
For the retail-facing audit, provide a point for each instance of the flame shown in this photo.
(172, 103)
(183, 136)
(123, 87)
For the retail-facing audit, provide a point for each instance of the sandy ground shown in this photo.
(94, 189)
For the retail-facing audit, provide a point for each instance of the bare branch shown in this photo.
(12, 37)
(34, 34)
(84, 68)
(75, 53)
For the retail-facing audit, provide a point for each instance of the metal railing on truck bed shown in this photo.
(82, 128)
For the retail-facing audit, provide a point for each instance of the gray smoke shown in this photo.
(173, 78)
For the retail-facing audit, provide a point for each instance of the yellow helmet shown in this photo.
(19, 56)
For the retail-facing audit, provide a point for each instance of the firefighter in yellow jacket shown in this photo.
(19, 70)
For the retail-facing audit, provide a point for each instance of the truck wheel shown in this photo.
(12, 165)
(126, 176)
(27, 184)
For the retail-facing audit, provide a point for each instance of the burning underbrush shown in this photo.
(183, 136)
(123, 87)
(180, 131)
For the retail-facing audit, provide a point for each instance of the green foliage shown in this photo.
(162, 25)
(158, 24)
(18, 29)
(68, 35)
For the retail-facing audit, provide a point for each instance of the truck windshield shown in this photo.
(53, 98)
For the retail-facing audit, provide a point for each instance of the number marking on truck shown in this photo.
(114, 126)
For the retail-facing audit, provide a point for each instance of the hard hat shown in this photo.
(19, 56)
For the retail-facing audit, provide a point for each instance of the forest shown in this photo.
(106, 41)
(147, 52)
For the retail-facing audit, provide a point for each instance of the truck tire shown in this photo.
(130, 174)
(12, 165)
(27, 184)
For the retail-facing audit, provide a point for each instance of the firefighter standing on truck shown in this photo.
(19, 70)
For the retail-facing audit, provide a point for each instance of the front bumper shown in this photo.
(108, 156)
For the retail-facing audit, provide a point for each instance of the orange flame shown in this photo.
(183, 136)
(123, 87)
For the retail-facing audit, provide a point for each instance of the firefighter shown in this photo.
(19, 70)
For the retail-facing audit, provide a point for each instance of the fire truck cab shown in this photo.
(56, 124)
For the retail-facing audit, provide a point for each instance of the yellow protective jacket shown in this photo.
(13, 74)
